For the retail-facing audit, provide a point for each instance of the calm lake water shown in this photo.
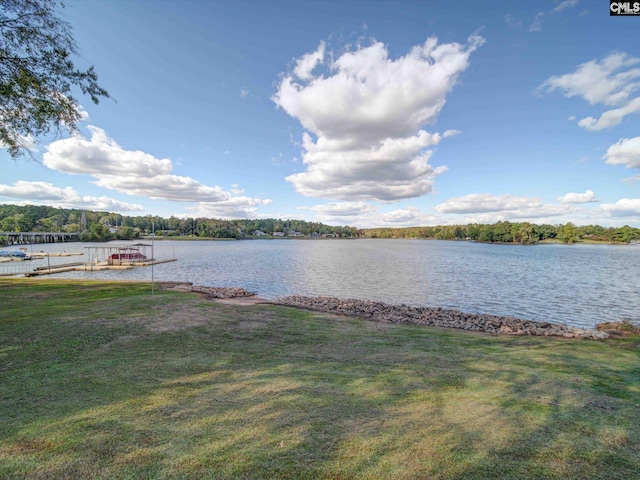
(579, 285)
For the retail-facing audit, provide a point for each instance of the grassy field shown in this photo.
(103, 380)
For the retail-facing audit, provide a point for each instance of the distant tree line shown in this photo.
(104, 226)
(506, 232)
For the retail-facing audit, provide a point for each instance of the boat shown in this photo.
(127, 254)
(14, 254)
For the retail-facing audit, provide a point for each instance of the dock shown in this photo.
(91, 267)
(41, 255)
(38, 256)
(122, 256)
(75, 268)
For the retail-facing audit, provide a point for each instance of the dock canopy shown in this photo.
(120, 254)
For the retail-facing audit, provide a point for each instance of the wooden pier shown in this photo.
(24, 238)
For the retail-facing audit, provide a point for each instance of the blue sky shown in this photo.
(362, 113)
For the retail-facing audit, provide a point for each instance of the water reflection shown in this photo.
(579, 285)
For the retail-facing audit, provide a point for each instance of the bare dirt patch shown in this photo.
(179, 319)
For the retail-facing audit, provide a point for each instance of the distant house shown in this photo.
(259, 233)
(293, 233)
(278, 234)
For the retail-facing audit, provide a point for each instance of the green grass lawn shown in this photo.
(103, 380)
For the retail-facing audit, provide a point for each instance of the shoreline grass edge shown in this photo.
(102, 380)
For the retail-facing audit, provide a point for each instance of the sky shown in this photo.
(363, 113)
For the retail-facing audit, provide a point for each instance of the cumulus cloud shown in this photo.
(501, 207)
(365, 215)
(486, 202)
(625, 207)
(341, 209)
(48, 194)
(363, 116)
(132, 171)
(625, 151)
(610, 118)
(586, 197)
(611, 81)
(410, 216)
(101, 156)
(26, 142)
(608, 81)
(235, 207)
(306, 63)
(475, 208)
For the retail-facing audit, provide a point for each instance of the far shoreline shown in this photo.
(185, 238)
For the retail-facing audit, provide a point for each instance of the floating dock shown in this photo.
(110, 257)
(92, 267)
(41, 255)
(36, 256)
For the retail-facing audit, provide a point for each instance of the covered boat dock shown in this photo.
(108, 257)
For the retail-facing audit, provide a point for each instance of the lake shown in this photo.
(579, 285)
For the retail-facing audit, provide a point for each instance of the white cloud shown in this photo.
(282, 215)
(635, 178)
(565, 4)
(477, 208)
(133, 172)
(485, 207)
(486, 202)
(624, 152)
(84, 115)
(236, 190)
(625, 207)
(305, 64)
(101, 156)
(511, 21)
(365, 215)
(235, 207)
(586, 197)
(611, 81)
(26, 142)
(536, 26)
(611, 118)
(48, 194)
(363, 120)
(341, 209)
(410, 216)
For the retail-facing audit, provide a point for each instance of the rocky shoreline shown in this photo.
(384, 312)
(211, 292)
(439, 317)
